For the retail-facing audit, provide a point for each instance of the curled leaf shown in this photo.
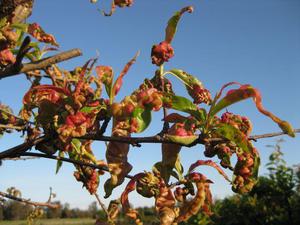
(173, 22)
(105, 75)
(118, 84)
(116, 155)
(194, 87)
(175, 118)
(130, 212)
(141, 119)
(245, 92)
(208, 163)
(184, 140)
(202, 199)
(36, 31)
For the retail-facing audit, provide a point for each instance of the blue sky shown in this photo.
(255, 42)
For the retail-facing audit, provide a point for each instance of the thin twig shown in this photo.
(269, 135)
(76, 162)
(18, 158)
(27, 201)
(40, 64)
(9, 126)
(16, 117)
(101, 204)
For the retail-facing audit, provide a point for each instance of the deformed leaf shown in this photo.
(143, 118)
(173, 22)
(208, 163)
(184, 140)
(245, 92)
(184, 105)
(105, 75)
(118, 83)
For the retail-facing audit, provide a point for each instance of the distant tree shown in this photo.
(1, 213)
(93, 210)
(16, 210)
(66, 211)
(54, 213)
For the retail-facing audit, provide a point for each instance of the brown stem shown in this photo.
(158, 139)
(19, 149)
(15, 151)
(9, 126)
(40, 64)
(101, 204)
(269, 135)
(27, 201)
(76, 162)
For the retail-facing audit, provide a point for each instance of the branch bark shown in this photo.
(40, 64)
(135, 141)
(29, 202)
(15, 151)
(76, 162)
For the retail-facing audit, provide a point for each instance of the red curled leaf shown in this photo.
(244, 92)
(118, 83)
(44, 92)
(36, 31)
(208, 163)
(131, 213)
(175, 118)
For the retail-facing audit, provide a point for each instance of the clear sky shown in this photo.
(255, 42)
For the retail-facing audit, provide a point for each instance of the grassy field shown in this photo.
(52, 222)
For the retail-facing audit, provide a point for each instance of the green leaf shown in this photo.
(187, 79)
(59, 162)
(233, 134)
(76, 144)
(193, 86)
(182, 104)
(185, 105)
(179, 168)
(184, 140)
(159, 168)
(3, 22)
(89, 109)
(20, 26)
(143, 117)
(245, 92)
(173, 22)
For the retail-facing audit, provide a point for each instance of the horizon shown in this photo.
(251, 42)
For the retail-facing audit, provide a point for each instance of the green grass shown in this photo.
(52, 222)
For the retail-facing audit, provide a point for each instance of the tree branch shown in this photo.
(40, 64)
(136, 141)
(15, 151)
(76, 162)
(159, 139)
(27, 201)
(269, 135)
